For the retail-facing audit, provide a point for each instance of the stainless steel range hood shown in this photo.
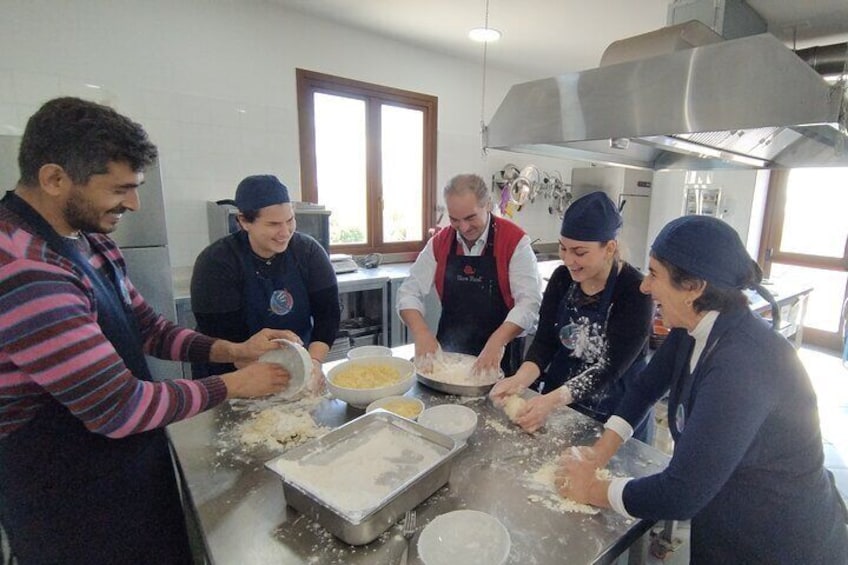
(744, 103)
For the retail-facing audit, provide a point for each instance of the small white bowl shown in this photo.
(369, 351)
(403, 406)
(362, 397)
(454, 420)
(464, 536)
(295, 359)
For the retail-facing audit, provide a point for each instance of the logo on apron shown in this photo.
(468, 270)
(281, 302)
(585, 339)
(125, 293)
(680, 417)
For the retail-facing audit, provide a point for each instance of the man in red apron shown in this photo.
(486, 277)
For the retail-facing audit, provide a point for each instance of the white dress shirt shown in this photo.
(524, 280)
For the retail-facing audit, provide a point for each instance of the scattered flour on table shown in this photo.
(279, 426)
(544, 478)
(355, 476)
(498, 427)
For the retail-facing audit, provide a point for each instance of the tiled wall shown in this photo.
(213, 82)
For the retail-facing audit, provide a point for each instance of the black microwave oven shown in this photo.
(312, 219)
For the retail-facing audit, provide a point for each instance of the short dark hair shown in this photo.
(714, 297)
(250, 215)
(82, 137)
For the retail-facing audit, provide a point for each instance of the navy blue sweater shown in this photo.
(748, 466)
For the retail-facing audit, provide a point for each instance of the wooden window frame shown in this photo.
(310, 82)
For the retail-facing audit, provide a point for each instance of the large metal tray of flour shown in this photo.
(408, 488)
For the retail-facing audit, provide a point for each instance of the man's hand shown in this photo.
(257, 379)
(262, 342)
(426, 347)
(489, 359)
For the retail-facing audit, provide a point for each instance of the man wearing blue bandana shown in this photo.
(594, 323)
(267, 275)
(748, 464)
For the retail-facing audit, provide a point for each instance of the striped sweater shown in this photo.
(52, 346)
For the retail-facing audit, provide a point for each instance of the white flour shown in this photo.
(455, 369)
(277, 426)
(356, 475)
(544, 478)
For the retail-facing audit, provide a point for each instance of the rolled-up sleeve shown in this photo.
(526, 286)
(414, 289)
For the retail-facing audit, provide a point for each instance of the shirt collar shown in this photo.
(481, 241)
(701, 333)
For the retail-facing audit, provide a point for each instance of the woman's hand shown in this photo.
(257, 379)
(505, 388)
(575, 474)
(318, 381)
(536, 411)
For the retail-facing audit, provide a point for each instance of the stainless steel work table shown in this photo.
(243, 517)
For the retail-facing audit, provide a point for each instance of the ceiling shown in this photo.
(549, 37)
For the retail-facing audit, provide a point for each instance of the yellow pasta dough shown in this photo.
(367, 376)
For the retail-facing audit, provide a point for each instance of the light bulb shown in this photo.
(484, 34)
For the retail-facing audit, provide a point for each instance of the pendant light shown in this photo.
(484, 35)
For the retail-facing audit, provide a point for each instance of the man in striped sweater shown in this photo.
(85, 470)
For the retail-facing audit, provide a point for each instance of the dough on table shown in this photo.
(513, 406)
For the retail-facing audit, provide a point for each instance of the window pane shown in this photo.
(340, 163)
(402, 173)
(825, 303)
(814, 222)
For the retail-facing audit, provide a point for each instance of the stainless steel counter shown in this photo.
(243, 517)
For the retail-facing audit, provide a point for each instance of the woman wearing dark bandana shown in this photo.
(594, 323)
(748, 465)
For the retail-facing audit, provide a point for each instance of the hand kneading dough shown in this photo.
(513, 406)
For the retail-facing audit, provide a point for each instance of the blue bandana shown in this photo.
(593, 217)
(258, 191)
(707, 248)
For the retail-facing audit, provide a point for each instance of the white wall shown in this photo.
(213, 82)
(742, 202)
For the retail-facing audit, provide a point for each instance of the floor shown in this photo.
(830, 380)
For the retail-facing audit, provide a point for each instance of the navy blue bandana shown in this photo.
(593, 217)
(707, 248)
(258, 191)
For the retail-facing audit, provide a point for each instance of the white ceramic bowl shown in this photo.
(404, 406)
(454, 420)
(468, 537)
(362, 397)
(296, 360)
(369, 351)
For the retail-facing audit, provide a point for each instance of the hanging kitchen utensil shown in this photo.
(510, 172)
(526, 184)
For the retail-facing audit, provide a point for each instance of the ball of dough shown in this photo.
(514, 406)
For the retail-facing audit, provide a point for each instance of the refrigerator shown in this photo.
(143, 239)
(629, 188)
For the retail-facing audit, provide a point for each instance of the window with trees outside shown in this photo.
(368, 153)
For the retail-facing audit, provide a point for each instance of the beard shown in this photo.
(83, 216)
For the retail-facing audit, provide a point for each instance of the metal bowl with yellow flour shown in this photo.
(451, 373)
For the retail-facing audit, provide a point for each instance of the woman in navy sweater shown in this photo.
(748, 466)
